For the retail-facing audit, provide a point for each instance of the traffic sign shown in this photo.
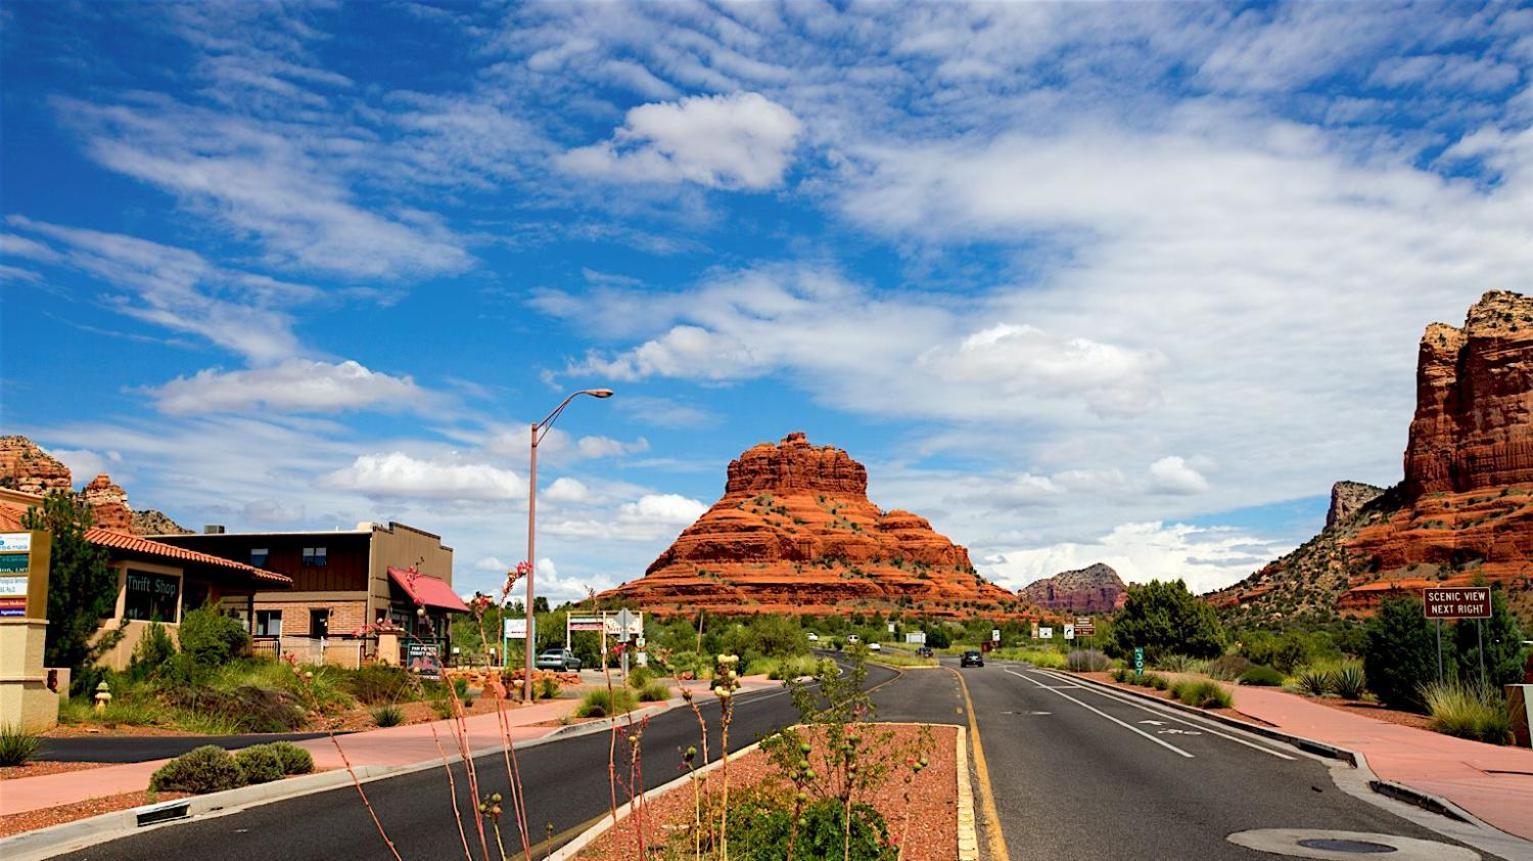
(1069, 632)
(1466, 602)
(995, 635)
(1085, 630)
(1046, 633)
(1139, 660)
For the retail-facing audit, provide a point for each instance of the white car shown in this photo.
(874, 647)
(813, 637)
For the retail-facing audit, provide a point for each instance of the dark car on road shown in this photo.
(972, 658)
(924, 651)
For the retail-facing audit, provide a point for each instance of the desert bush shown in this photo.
(1399, 651)
(1203, 694)
(205, 769)
(1466, 711)
(210, 638)
(442, 707)
(548, 688)
(379, 683)
(1227, 668)
(1176, 663)
(599, 703)
(295, 760)
(17, 746)
(259, 764)
(638, 677)
(1501, 637)
(1166, 618)
(155, 649)
(250, 707)
(1348, 681)
(1087, 661)
(654, 692)
(1122, 674)
(759, 831)
(1313, 681)
(1259, 676)
(388, 715)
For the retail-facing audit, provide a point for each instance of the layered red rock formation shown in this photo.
(1093, 589)
(109, 503)
(1464, 511)
(795, 532)
(25, 467)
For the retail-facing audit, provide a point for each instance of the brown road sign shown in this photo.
(1459, 602)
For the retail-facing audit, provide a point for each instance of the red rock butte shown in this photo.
(796, 533)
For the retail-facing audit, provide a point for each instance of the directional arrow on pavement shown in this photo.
(1154, 722)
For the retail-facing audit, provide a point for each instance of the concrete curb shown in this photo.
(1398, 791)
(968, 835)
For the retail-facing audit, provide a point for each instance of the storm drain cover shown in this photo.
(1342, 845)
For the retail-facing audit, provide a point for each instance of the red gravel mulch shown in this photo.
(35, 819)
(40, 768)
(929, 822)
(1375, 711)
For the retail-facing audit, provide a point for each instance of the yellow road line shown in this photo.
(997, 840)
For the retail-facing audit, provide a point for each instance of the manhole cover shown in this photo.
(1361, 847)
(1343, 845)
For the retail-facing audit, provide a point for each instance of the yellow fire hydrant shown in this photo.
(103, 696)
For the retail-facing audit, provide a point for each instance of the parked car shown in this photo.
(924, 651)
(875, 647)
(813, 637)
(562, 660)
(972, 658)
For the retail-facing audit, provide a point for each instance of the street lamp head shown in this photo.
(599, 393)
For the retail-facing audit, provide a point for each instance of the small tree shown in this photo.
(1399, 652)
(1167, 619)
(82, 589)
(1502, 638)
(209, 638)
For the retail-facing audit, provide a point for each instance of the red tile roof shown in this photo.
(427, 590)
(145, 547)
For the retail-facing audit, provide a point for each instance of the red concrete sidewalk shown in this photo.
(1493, 783)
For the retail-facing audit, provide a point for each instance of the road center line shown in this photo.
(1170, 715)
(1128, 726)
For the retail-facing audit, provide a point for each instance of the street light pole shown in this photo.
(540, 430)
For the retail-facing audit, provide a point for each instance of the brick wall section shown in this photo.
(345, 616)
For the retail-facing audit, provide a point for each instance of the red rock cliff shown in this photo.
(1093, 589)
(795, 532)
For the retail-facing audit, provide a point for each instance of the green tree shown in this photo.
(1399, 652)
(1167, 619)
(210, 639)
(82, 589)
(1503, 645)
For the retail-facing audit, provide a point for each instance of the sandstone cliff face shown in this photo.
(25, 467)
(1464, 510)
(147, 521)
(795, 532)
(1093, 589)
(109, 503)
(1348, 498)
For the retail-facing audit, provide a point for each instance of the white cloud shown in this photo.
(566, 489)
(650, 517)
(1207, 558)
(736, 141)
(601, 446)
(396, 474)
(85, 464)
(295, 385)
(1171, 474)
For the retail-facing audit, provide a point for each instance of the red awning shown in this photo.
(427, 591)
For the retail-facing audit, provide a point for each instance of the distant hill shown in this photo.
(1093, 589)
(26, 467)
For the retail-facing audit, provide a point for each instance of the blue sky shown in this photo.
(1123, 283)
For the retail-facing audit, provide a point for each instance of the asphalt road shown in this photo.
(1078, 773)
(565, 782)
(139, 748)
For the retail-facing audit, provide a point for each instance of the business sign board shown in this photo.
(916, 637)
(1085, 628)
(1069, 632)
(514, 629)
(1045, 633)
(585, 623)
(24, 560)
(423, 659)
(15, 542)
(1466, 602)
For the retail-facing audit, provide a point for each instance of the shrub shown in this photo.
(1468, 711)
(1174, 663)
(638, 677)
(1312, 681)
(1260, 676)
(758, 831)
(1122, 674)
(1087, 661)
(548, 688)
(460, 688)
(1502, 640)
(654, 692)
(937, 638)
(1348, 681)
(599, 703)
(1228, 668)
(259, 764)
(379, 683)
(1156, 681)
(1166, 618)
(295, 760)
(210, 638)
(388, 715)
(1203, 694)
(443, 708)
(17, 746)
(155, 649)
(251, 708)
(205, 769)
(1398, 652)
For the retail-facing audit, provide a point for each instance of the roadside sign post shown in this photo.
(1046, 633)
(1458, 602)
(995, 635)
(1069, 632)
(1139, 660)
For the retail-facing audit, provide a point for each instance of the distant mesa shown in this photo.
(1093, 589)
(796, 533)
(1464, 509)
(26, 467)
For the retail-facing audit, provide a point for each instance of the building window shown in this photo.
(268, 623)
(319, 623)
(258, 557)
(314, 556)
(151, 597)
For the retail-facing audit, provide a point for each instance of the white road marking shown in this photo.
(1171, 747)
(1154, 722)
(1127, 700)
